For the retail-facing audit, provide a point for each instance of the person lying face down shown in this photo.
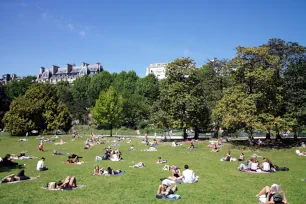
(19, 177)
(161, 161)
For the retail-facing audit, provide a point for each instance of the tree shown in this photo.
(40, 109)
(108, 108)
(64, 92)
(148, 87)
(134, 109)
(99, 82)
(181, 97)
(17, 88)
(125, 81)
(80, 93)
(4, 104)
(295, 94)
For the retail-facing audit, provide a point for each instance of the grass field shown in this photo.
(219, 182)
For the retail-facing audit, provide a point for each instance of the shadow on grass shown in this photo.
(267, 144)
(9, 168)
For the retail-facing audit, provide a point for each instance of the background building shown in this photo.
(158, 69)
(7, 77)
(68, 73)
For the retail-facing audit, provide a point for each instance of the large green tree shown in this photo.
(99, 82)
(81, 101)
(108, 108)
(181, 97)
(39, 108)
(148, 87)
(18, 87)
(4, 104)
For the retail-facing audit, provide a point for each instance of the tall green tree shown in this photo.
(99, 82)
(40, 109)
(148, 87)
(81, 101)
(295, 94)
(4, 104)
(64, 92)
(181, 96)
(108, 108)
(125, 81)
(17, 88)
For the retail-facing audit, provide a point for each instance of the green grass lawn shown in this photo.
(219, 182)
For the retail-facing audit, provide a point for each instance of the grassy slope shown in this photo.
(219, 182)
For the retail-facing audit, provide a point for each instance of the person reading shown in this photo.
(41, 165)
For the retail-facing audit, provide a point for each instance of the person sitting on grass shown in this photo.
(98, 170)
(75, 158)
(19, 177)
(138, 165)
(132, 148)
(241, 157)
(176, 173)
(265, 165)
(273, 194)
(6, 161)
(188, 176)
(215, 149)
(191, 146)
(170, 167)
(165, 189)
(87, 146)
(161, 161)
(41, 147)
(153, 143)
(41, 165)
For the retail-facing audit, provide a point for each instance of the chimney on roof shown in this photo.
(98, 66)
(14, 76)
(54, 69)
(69, 68)
(84, 64)
(42, 70)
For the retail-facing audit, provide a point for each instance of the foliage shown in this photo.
(125, 81)
(80, 93)
(18, 87)
(108, 108)
(99, 82)
(39, 109)
(148, 87)
(4, 104)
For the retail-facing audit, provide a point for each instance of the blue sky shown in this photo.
(131, 34)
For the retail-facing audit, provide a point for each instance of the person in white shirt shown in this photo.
(265, 166)
(41, 165)
(188, 176)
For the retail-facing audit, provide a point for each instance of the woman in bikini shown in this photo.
(67, 183)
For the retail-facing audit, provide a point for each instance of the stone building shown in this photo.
(68, 73)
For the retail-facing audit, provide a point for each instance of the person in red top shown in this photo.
(40, 147)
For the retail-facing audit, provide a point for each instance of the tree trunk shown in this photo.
(216, 134)
(196, 132)
(277, 134)
(185, 134)
(268, 136)
(295, 135)
(111, 130)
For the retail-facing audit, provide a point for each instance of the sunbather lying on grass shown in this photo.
(273, 194)
(19, 177)
(67, 183)
(161, 161)
(138, 165)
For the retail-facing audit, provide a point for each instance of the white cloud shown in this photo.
(82, 33)
(70, 26)
(44, 15)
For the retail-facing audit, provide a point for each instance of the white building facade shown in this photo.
(158, 69)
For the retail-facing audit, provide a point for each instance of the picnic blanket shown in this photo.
(257, 172)
(58, 143)
(23, 157)
(77, 163)
(73, 188)
(169, 197)
(109, 175)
